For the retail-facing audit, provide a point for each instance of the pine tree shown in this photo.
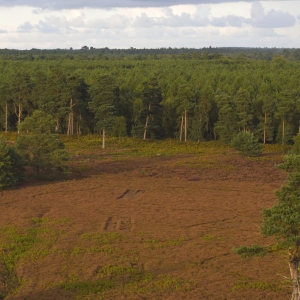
(103, 93)
(54, 100)
(283, 221)
(286, 107)
(186, 103)
(44, 151)
(200, 124)
(226, 126)
(20, 91)
(247, 144)
(152, 112)
(243, 109)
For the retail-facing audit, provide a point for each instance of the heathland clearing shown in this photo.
(145, 221)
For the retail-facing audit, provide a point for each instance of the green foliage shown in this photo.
(103, 93)
(243, 108)
(247, 144)
(296, 147)
(218, 96)
(38, 123)
(11, 165)
(44, 151)
(248, 283)
(283, 219)
(15, 243)
(254, 250)
(88, 287)
(151, 115)
(226, 126)
(119, 128)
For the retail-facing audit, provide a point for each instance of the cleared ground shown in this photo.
(161, 227)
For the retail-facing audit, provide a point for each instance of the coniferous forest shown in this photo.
(185, 94)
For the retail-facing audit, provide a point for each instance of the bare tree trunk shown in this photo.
(71, 119)
(6, 117)
(283, 132)
(57, 125)
(103, 139)
(181, 128)
(18, 112)
(79, 125)
(265, 128)
(293, 264)
(185, 126)
(145, 131)
(146, 125)
(200, 130)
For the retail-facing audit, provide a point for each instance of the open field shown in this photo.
(151, 221)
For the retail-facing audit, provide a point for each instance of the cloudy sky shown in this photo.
(50, 24)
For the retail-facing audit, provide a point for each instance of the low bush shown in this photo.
(296, 147)
(42, 148)
(11, 165)
(247, 144)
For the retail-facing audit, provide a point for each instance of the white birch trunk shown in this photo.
(146, 125)
(18, 112)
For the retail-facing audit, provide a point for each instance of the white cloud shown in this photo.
(26, 27)
(226, 24)
(271, 19)
(64, 22)
(71, 4)
(113, 22)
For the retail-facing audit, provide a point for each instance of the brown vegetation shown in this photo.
(147, 228)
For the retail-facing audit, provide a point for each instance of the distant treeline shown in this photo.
(87, 53)
(198, 98)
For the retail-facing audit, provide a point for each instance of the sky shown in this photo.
(51, 24)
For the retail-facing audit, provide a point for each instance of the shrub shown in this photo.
(296, 147)
(43, 149)
(11, 165)
(246, 143)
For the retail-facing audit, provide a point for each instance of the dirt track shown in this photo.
(176, 218)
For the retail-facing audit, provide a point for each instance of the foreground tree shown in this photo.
(42, 149)
(283, 221)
